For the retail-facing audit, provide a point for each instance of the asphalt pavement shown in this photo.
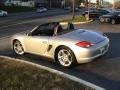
(17, 17)
(103, 71)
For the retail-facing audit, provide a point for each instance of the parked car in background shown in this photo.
(96, 13)
(67, 8)
(71, 9)
(3, 13)
(41, 9)
(67, 46)
(113, 17)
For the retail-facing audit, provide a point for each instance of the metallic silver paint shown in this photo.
(40, 44)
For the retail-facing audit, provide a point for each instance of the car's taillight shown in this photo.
(84, 44)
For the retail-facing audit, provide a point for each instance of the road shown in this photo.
(103, 71)
(17, 17)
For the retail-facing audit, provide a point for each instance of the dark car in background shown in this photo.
(71, 9)
(113, 17)
(96, 13)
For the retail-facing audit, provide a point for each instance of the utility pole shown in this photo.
(73, 6)
(88, 16)
(113, 5)
(98, 3)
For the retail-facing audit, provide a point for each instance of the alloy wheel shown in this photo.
(18, 48)
(65, 57)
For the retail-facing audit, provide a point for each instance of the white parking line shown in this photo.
(71, 77)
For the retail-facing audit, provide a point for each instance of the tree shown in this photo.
(73, 6)
(98, 3)
(101, 2)
(86, 3)
(80, 1)
(117, 4)
(1, 2)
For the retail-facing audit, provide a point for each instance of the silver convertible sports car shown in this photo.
(65, 45)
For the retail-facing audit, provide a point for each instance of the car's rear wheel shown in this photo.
(18, 48)
(65, 57)
(113, 21)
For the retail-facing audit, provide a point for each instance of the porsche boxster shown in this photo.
(67, 46)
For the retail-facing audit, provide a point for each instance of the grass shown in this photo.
(77, 19)
(15, 75)
(13, 9)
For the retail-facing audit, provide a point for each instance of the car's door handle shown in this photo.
(44, 42)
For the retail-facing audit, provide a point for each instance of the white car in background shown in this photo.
(3, 13)
(41, 9)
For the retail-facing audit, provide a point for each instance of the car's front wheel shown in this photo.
(18, 48)
(65, 57)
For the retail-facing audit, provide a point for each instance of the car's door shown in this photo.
(102, 12)
(38, 41)
(1, 13)
(36, 44)
(93, 14)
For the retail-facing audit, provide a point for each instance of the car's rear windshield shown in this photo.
(113, 13)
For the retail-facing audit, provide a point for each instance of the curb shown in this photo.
(76, 23)
(58, 72)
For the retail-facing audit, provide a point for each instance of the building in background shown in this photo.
(29, 3)
(7, 2)
(117, 4)
(37, 3)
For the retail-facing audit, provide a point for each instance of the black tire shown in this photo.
(18, 48)
(4, 15)
(66, 60)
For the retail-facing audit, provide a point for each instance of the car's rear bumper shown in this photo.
(89, 59)
(88, 55)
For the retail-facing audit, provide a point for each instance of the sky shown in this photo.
(103, 0)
